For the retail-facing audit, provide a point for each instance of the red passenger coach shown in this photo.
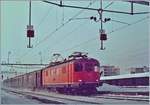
(77, 73)
(39, 84)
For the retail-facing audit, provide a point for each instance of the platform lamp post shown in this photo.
(9, 52)
(40, 54)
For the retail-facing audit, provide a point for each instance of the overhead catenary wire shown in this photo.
(115, 30)
(93, 9)
(60, 27)
(57, 29)
(138, 21)
(121, 28)
(119, 21)
(132, 55)
(25, 67)
(43, 18)
(129, 53)
(109, 5)
(67, 35)
(63, 14)
(90, 17)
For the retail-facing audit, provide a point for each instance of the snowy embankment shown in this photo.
(112, 88)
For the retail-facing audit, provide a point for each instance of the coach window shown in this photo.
(54, 71)
(97, 64)
(78, 67)
(63, 69)
(46, 73)
(49, 72)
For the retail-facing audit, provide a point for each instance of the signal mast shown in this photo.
(103, 35)
(30, 30)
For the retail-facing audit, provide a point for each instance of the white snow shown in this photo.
(113, 88)
(146, 74)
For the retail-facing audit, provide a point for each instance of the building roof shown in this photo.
(146, 74)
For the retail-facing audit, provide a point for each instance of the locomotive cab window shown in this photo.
(97, 64)
(89, 67)
(78, 67)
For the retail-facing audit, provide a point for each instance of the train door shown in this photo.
(36, 80)
(67, 69)
(70, 72)
(39, 79)
(22, 81)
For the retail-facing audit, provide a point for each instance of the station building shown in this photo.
(110, 70)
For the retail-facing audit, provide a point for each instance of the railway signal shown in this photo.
(103, 36)
(30, 30)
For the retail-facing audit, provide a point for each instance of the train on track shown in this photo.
(77, 73)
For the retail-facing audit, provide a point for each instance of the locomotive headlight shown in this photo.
(97, 80)
(96, 69)
(80, 80)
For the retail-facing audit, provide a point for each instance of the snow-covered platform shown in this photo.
(70, 99)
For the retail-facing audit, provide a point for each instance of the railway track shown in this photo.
(124, 97)
(59, 98)
(69, 99)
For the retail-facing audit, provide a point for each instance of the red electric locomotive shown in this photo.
(77, 74)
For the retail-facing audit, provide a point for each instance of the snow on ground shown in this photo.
(113, 88)
(12, 98)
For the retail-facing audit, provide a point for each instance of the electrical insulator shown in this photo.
(94, 18)
(107, 19)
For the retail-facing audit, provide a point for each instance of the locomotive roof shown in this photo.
(70, 60)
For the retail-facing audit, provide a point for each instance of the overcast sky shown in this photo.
(125, 48)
